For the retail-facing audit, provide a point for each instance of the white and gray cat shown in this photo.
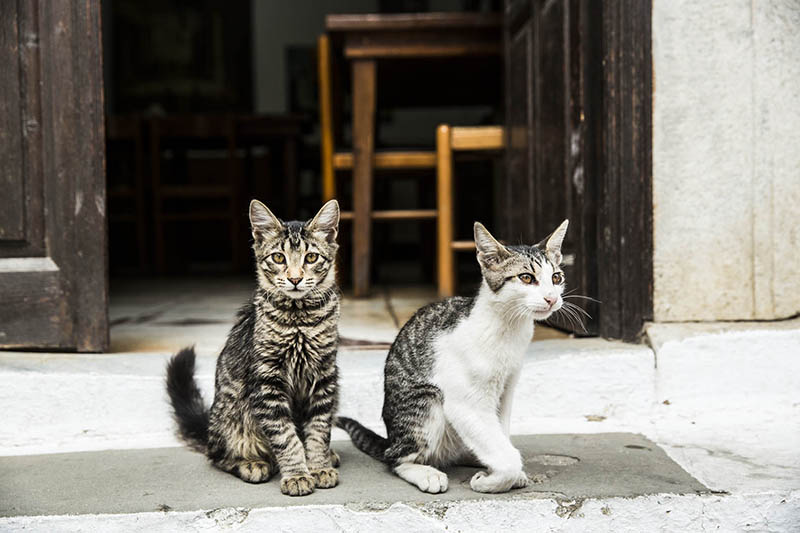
(450, 374)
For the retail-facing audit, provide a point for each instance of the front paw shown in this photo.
(495, 482)
(522, 481)
(325, 478)
(299, 485)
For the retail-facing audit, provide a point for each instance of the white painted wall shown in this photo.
(726, 159)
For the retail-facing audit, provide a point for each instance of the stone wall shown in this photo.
(726, 159)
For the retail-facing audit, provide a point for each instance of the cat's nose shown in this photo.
(295, 281)
(550, 300)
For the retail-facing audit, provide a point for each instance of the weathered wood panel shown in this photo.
(12, 218)
(578, 87)
(35, 305)
(518, 186)
(53, 284)
(625, 236)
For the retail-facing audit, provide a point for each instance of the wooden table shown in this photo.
(367, 39)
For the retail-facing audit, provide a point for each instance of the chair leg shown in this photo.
(444, 201)
(326, 118)
(363, 148)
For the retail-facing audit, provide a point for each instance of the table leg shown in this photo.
(363, 149)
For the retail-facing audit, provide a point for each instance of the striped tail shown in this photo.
(187, 403)
(364, 439)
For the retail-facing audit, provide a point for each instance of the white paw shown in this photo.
(483, 482)
(522, 481)
(433, 482)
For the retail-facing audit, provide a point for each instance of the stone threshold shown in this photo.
(566, 468)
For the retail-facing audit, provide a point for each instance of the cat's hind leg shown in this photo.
(417, 432)
(233, 448)
(254, 471)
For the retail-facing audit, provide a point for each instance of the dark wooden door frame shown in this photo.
(625, 199)
(53, 268)
(578, 116)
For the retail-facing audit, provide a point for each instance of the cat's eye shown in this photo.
(527, 278)
(279, 258)
(311, 258)
(558, 277)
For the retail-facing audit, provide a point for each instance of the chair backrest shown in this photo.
(477, 138)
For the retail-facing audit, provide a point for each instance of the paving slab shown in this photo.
(177, 479)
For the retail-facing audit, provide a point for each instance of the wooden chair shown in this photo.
(332, 161)
(127, 131)
(182, 133)
(279, 134)
(448, 140)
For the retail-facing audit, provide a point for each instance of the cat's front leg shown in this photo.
(506, 401)
(272, 410)
(481, 431)
(317, 431)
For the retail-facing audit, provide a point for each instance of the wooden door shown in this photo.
(578, 82)
(53, 250)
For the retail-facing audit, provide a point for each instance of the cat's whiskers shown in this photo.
(570, 312)
(516, 311)
(582, 297)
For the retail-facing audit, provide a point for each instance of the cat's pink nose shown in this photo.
(295, 281)
(550, 300)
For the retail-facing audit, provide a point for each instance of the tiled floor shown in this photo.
(164, 315)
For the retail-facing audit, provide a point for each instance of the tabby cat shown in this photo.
(450, 374)
(276, 380)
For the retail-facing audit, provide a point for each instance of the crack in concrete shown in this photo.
(725, 454)
(387, 300)
(228, 516)
(368, 507)
(569, 508)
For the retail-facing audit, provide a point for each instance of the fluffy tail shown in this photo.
(364, 439)
(187, 402)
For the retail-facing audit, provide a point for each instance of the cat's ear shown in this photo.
(490, 251)
(262, 220)
(326, 221)
(552, 244)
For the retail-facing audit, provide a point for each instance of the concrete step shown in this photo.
(722, 402)
(568, 471)
(598, 483)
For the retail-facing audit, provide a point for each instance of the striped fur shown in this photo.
(276, 385)
(364, 439)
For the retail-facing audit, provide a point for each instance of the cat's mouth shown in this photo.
(544, 313)
(295, 292)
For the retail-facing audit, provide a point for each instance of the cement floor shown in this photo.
(565, 467)
(153, 316)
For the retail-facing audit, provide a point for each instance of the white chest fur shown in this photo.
(476, 359)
